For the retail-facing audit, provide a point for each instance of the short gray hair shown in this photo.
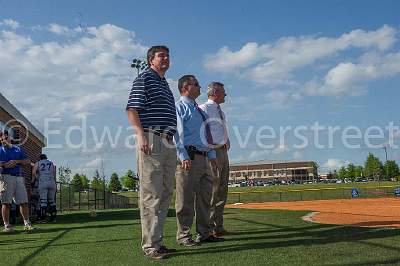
(213, 87)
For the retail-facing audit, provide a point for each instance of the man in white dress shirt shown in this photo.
(217, 121)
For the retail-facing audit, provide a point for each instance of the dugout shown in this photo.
(23, 133)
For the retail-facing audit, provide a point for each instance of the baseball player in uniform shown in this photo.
(44, 171)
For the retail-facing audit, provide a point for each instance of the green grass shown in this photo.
(261, 237)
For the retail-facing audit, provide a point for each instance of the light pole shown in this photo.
(138, 64)
(386, 163)
(104, 183)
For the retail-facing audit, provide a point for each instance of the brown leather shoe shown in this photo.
(221, 233)
(156, 255)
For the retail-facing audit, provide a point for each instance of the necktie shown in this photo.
(207, 126)
(220, 112)
(223, 123)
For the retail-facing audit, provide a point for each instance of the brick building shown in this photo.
(273, 171)
(22, 132)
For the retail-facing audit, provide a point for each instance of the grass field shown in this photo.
(261, 237)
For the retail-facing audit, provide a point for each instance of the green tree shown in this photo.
(77, 182)
(315, 170)
(128, 180)
(351, 171)
(64, 174)
(391, 169)
(373, 167)
(97, 182)
(342, 173)
(359, 171)
(85, 182)
(335, 174)
(115, 184)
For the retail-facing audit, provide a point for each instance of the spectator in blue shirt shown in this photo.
(12, 184)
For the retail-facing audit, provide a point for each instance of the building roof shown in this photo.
(13, 111)
(271, 165)
(261, 162)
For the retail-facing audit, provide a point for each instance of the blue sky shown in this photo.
(284, 64)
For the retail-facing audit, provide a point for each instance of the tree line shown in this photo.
(373, 168)
(81, 182)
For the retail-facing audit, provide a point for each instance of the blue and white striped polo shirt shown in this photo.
(152, 98)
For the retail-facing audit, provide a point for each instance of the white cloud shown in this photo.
(225, 60)
(333, 164)
(275, 63)
(69, 78)
(60, 30)
(351, 78)
(10, 23)
(95, 163)
(280, 99)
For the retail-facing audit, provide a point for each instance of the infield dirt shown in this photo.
(377, 212)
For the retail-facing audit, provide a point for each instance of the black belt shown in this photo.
(192, 150)
(160, 134)
(204, 153)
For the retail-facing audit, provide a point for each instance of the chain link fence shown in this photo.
(311, 194)
(71, 198)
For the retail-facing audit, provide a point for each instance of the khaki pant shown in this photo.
(193, 198)
(156, 174)
(12, 188)
(220, 191)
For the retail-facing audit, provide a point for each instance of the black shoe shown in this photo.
(164, 250)
(189, 243)
(211, 239)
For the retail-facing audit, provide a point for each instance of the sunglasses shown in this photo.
(194, 84)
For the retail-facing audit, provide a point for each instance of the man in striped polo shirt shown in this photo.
(151, 112)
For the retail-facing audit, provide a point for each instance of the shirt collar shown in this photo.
(186, 99)
(155, 73)
(209, 101)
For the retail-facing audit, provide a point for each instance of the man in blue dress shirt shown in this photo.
(193, 177)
